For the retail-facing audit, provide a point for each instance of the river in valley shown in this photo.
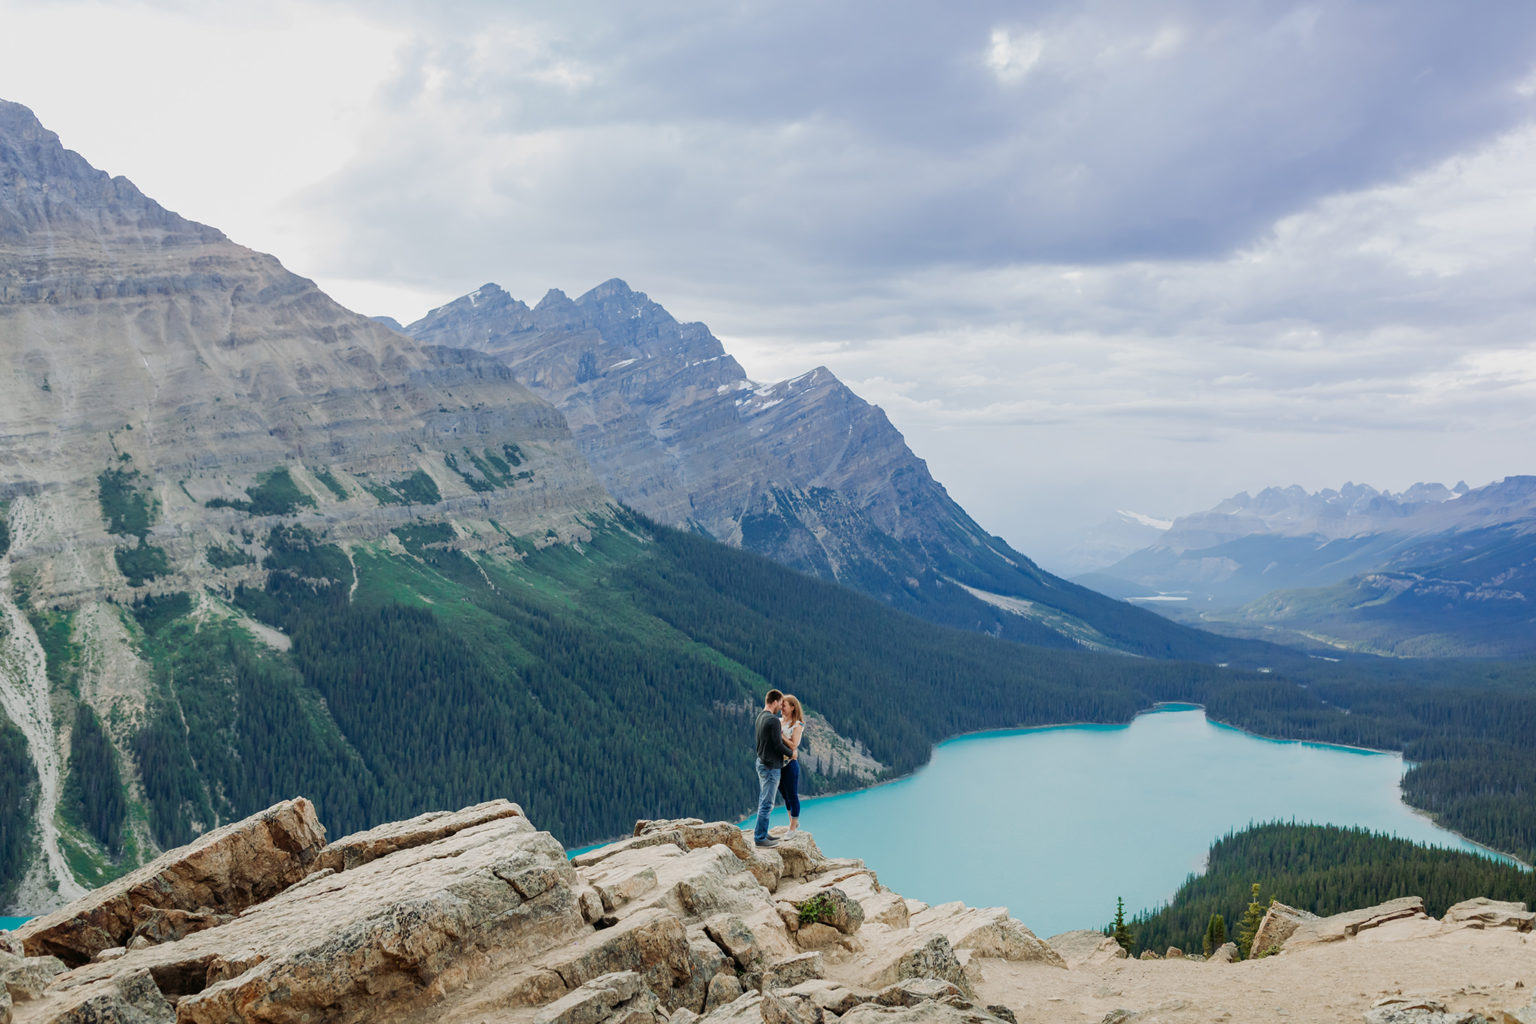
(1055, 823)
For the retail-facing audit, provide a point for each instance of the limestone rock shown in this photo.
(800, 854)
(777, 1009)
(723, 988)
(833, 997)
(1349, 924)
(988, 931)
(396, 932)
(1147, 954)
(131, 998)
(1173, 953)
(819, 936)
(917, 990)
(620, 997)
(733, 936)
(919, 956)
(1486, 913)
(767, 867)
(602, 853)
(11, 944)
(1226, 953)
(794, 970)
(698, 834)
(747, 1009)
(156, 925)
(226, 871)
(5, 1006)
(27, 977)
(1279, 924)
(1085, 946)
(362, 847)
(920, 1013)
(880, 905)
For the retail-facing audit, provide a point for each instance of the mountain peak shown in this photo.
(552, 300)
(45, 188)
(611, 288)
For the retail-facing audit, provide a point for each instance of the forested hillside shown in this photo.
(1325, 870)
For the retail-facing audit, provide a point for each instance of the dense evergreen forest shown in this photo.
(18, 804)
(1325, 870)
(612, 680)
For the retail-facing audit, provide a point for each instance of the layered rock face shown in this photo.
(803, 471)
(156, 376)
(477, 916)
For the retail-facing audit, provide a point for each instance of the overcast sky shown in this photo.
(1087, 255)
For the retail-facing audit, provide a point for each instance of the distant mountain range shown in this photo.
(802, 471)
(1431, 571)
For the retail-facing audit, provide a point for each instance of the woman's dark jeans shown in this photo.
(789, 788)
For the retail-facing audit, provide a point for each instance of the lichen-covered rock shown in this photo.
(781, 1009)
(27, 977)
(621, 998)
(916, 956)
(792, 971)
(723, 988)
(833, 997)
(733, 936)
(800, 854)
(131, 998)
(917, 990)
(225, 871)
(156, 925)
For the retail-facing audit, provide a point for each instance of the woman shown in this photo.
(793, 717)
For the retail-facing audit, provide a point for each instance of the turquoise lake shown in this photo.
(1055, 823)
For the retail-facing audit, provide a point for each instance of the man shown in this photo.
(772, 752)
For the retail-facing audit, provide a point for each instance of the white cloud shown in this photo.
(1011, 56)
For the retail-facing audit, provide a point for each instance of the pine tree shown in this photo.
(1122, 934)
(1215, 934)
(1249, 927)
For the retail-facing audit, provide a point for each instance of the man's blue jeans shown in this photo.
(768, 789)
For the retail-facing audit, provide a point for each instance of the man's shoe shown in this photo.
(763, 844)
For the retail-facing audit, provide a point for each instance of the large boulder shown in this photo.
(986, 931)
(1339, 927)
(618, 998)
(1483, 912)
(381, 939)
(1279, 924)
(225, 871)
(1085, 946)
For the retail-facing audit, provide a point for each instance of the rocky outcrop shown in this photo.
(474, 915)
(1280, 923)
(223, 872)
(1320, 931)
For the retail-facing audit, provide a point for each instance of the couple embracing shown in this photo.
(780, 725)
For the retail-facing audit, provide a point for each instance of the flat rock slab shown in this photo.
(226, 871)
(360, 848)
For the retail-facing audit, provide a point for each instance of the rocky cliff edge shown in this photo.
(477, 916)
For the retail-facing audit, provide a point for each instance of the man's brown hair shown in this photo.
(773, 695)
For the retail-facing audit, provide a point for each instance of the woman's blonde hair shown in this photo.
(793, 711)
